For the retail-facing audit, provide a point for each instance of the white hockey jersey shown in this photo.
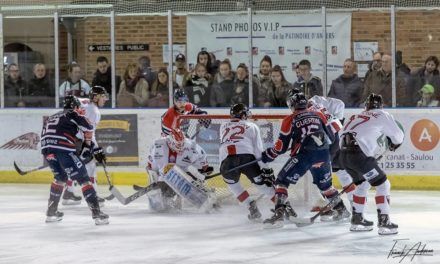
(332, 108)
(240, 137)
(369, 129)
(160, 155)
(93, 115)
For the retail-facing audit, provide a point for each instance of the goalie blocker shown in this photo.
(182, 184)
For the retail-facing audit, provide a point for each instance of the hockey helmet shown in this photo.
(176, 140)
(179, 95)
(71, 102)
(297, 101)
(97, 90)
(374, 101)
(240, 111)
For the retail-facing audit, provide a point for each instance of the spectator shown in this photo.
(375, 64)
(379, 82)
(307, 83)
(181, 75)
(74, 85)
(198, 89)
(264, 81)
(279, 88)
(348, 87)
(428, 74)
(41, 88)
(103, 77)
(134, 90)
(241, 86)
(15, 87)
(428, 99)
(159, 94)
(222, 89)
(146, 71)
(204, 58)
(215, 64)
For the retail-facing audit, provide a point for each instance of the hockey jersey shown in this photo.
(332, 108)
(308, 131)
(92, 113)
(170, 117)
(160, 155)
(59, 130)
(240, 137)
(369, 126)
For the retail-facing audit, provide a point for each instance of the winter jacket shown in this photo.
(349, 90)
(311, 87)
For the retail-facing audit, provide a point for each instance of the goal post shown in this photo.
(304, 193)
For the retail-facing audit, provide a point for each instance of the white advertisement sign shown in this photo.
(286, 38)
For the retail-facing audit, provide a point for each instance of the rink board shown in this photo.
(415, 165)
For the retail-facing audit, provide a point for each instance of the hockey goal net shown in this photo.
(304, 193)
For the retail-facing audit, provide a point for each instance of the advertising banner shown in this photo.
(286, 38)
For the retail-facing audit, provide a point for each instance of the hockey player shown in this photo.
(58, 148)
(182, 152)
(310, 134)
(241, 143)
(98, 96)
(181, 106)
(358, 148)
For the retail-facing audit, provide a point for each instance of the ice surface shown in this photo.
(136, 235)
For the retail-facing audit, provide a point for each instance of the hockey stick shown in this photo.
(126, 200)
(111, 196)
(301, 222)
(22, 172)
(233, 169)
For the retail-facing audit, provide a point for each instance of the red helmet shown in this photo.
(176, 140)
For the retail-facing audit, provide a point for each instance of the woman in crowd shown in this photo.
(159, 90)
(133, 91)
(198, 87)
(279, 87)
(263, 78)
(222, 89)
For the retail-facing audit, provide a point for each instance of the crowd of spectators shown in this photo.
(214, 83)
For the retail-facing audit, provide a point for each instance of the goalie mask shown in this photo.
(176, 140)
(297, 101)
(374, 101)
(240, 111)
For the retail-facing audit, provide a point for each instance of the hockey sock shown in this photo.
(360, 197)
(56, 189)
(281, 195)
(70, 186)
(95, 185)
(239, 192)
(383, 197)
(346, 180)
(89, 193)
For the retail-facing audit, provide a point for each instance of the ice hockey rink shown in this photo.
(136, 235)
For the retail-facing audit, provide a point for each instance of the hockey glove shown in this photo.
(268, 177)
(99, 155)
(86, 152)
(206, 171)
(267, 156)
(391, 145)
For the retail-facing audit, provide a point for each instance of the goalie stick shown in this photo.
(22, 172)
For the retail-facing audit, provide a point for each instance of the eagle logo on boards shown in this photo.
(26, 141)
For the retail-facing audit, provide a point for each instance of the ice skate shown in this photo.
(54, 216)
(385, 225)
(341, 212)
(359, 223)
(100, 218)
(69, 198)
(254, 213)
(277, 220)
(289, 213)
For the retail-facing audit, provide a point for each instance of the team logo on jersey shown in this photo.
(425, 134)
(27, 141)
(186, 159)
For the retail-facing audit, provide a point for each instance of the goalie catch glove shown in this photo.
(391, 145)
(268, 177)
(99, 155)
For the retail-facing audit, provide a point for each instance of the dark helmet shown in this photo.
(291, 93)
(374, 101)
(96, 90)
(298, 101)
(179, 95)
(71, 102)
(240, 111)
